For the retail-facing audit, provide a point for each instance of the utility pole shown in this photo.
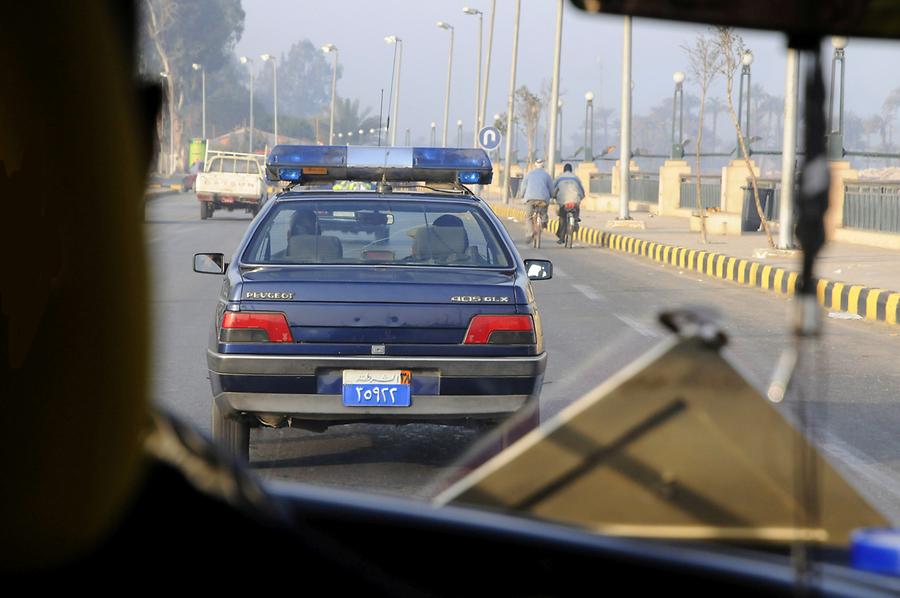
(554, 91)
(511, 102)
(487, 66)
(625, 135)
(789, 151)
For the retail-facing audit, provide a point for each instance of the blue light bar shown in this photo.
(452, 158)
(312, 163)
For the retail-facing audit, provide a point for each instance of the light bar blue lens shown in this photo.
(450, 158)
(289, 174)
(469, 177)
(308, 155)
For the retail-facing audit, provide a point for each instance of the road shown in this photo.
(599, 314)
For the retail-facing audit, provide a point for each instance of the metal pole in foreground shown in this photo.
(625, 136)
(449, 27)
(789, 152)
(510, 103)
(554, 91)
(249, 63)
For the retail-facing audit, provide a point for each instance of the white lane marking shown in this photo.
(638, 327)
(559, 272)
(589, 292)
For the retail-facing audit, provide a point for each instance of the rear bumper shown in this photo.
(471, 388)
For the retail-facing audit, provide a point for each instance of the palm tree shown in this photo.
(347, 116)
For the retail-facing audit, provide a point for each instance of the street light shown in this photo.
(249, 61)
(199, 67)
(408, 137)
(459, 133)
(332, 49)
(477, 120)
(170, 168)
(836, 136)
(746, 61)
(677, 152)
(510, 104)
(448, 27)
(589, 126)
(395, 93)
(267, 58)
(559, 136)
(433, 128)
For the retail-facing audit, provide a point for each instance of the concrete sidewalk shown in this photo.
(872, 274)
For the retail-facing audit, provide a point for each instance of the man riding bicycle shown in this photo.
(568, 192)
(535, 191)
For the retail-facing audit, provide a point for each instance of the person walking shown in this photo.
(535, 192)
(568, 192)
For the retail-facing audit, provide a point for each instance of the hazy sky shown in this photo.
(591, 54)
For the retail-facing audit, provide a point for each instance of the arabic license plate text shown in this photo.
(376, 388)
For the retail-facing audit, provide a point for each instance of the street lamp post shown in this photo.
(510, 102)
(433, 129)
(677, 152)
(746, 61)
(448, 27)
(487, 65)
(408, 137)
(249, 61)
(554, 91)
(625, 119)
(267, 58)
(459, 133)
(836, 136)
(170, 166)
(477, 120)
(331, 48)
(199, 67)
(589, 126)
(559, 127)
(395, 93)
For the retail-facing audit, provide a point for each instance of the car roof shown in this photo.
(325, 194)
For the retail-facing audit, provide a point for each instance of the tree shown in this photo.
(178, 33)
(529, 106)
(704, 64)
(348, 117)
(304, 81)
(730, 48)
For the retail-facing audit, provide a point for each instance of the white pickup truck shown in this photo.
(230, 181)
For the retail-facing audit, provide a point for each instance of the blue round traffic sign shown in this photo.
(489, 138)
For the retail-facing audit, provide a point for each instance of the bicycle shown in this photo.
(570, 224)
(536, 223)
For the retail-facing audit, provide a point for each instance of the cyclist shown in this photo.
(567, 190)
(536, 187)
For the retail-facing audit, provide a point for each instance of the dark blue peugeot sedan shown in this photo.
(404, 303)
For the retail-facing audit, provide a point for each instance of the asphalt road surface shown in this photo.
(599, 314)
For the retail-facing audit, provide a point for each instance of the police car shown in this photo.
(406, 303)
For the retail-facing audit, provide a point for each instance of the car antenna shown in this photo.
(383, 186)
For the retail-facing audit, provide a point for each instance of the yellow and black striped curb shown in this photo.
(871, 304)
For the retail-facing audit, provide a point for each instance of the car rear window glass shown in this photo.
(377, 232)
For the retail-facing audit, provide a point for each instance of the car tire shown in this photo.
(203, 211)
(232, 435)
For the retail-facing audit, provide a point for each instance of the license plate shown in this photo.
(376, 388)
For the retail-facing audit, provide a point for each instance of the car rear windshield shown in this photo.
(234, 165)
(377, 232)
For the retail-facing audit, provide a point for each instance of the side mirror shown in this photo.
(539, 269)
(209, 263)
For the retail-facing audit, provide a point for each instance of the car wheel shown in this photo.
(203, 211)
(230, 434)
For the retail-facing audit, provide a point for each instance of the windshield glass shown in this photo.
(686, 200)
(376, 232)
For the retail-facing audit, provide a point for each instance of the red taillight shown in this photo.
(204, 196)
(250, 326)
(500, 330)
